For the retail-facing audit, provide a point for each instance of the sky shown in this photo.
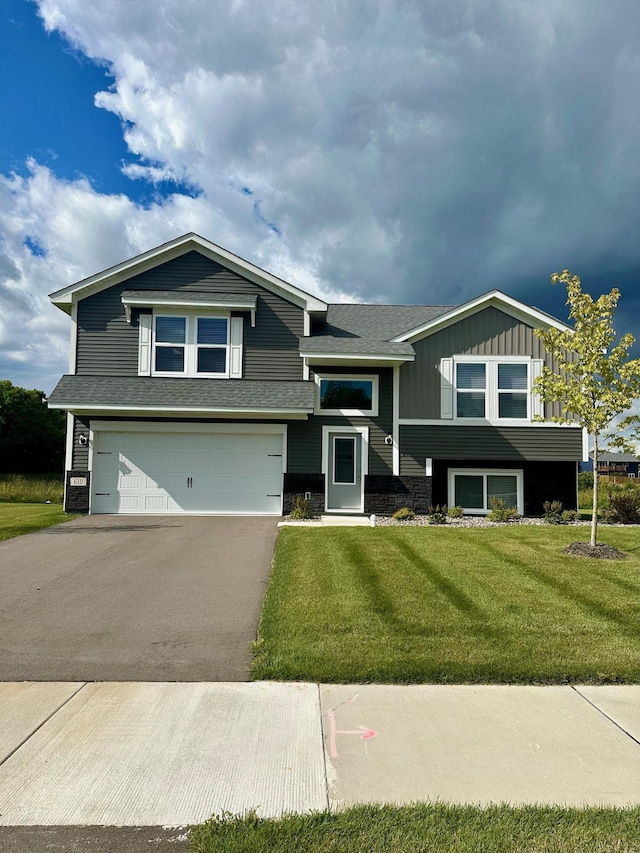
(390, 151)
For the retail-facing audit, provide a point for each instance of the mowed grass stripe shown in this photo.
(449, 606)
(427, 828)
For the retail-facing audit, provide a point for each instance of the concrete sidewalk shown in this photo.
(170, 754)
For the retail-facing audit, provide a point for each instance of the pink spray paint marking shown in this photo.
(364, 733)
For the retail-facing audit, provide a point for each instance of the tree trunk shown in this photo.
(594, 517)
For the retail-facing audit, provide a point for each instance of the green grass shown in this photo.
(19, 518)
(606, 486)
(434, 605)
(429, 828)
(31, 488)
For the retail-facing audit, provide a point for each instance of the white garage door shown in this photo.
(173, 472)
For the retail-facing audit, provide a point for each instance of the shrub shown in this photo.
(624, 508)
(404, 514)
(455, 512)
(570, 515)
(437, 514)
(500, 511)
(301, 509)
(553, 512)
(585, 480)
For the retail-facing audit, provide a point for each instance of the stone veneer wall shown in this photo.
(384, 494)
(298, 484)
(77, 497)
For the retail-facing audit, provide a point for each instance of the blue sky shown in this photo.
(373, 150)
(46, 96)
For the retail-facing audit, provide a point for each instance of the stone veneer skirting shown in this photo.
(77, 497)
(300, 484)
(384, 493)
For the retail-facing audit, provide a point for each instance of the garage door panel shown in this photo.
(187, 472)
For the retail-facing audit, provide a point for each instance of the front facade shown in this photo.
(199, 383)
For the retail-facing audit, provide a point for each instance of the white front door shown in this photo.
(344, 479)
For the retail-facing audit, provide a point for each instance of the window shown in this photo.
(472, 489)
(492, 389)
(347, 395)
(190, 346)
(344, 460)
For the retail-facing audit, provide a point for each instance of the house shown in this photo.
(199, 383)
(614, 464)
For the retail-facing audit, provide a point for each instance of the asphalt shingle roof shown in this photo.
(359, 346)
(141, 391)
(377, 322)
(608, 456)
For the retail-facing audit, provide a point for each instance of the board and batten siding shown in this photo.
(449, 441)
(305, 437)
(488, 332)
(108, 345)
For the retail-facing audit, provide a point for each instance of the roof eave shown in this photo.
(84, 409)
(355, 359)
(118, 273)
(508, 304)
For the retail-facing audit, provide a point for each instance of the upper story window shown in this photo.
(347, 395)
(492, 390)
(497, 389)
(190, 345)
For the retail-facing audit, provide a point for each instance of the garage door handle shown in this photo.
(102, 493)
(274, 496)
(275, 454)
(189, 482)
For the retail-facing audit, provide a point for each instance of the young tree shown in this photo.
(595, 379)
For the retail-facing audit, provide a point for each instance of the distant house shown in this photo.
(614, 464)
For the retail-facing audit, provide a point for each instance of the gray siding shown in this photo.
(485, 442)
(305, 437)
(108, 345)
(489, 332)
(80, 453)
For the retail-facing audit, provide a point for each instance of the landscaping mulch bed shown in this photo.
(601, 551)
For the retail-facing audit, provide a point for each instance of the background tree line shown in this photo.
(31, 434)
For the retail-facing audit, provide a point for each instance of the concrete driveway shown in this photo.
(134, 598)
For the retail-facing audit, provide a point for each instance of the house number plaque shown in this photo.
(77, 481)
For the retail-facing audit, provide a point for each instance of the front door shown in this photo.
(344, 473)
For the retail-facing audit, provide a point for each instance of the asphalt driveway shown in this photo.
(134, 598)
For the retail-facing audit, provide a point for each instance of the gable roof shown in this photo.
(190, 242)
(524, 313)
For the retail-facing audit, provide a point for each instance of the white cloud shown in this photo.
(389, 150)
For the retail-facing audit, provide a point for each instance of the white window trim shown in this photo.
(191, 345)
(491, 363)
(485, 472)
(349, 377)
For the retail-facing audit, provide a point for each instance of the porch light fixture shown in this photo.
(83, 439)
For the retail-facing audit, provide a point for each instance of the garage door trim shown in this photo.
(97, 426)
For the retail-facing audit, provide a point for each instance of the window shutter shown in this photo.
(235, 350)
(144, 344)
(446, 388)
(537, 406)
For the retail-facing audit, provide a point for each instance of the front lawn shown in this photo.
(19, 518)
(442, 605)
(428, 828)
